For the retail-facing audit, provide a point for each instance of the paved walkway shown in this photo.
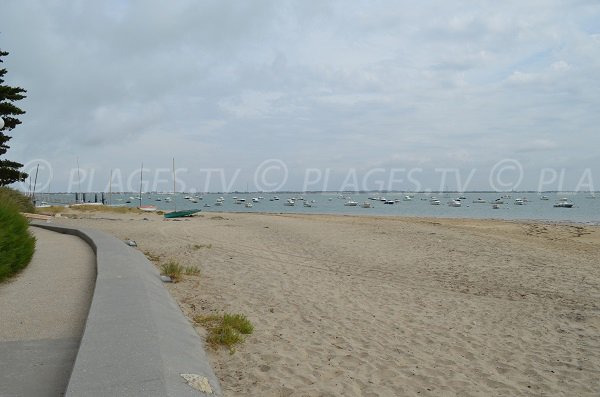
(42, 316)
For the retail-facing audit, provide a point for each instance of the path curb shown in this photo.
(136, 339)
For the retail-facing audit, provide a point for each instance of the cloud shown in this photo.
(338, 83)
(537, 145)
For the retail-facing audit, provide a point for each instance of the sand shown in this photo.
(380, 306)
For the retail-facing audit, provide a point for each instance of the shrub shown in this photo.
(16, 243)
(23, 203)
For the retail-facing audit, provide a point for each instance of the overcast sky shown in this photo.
(327, 88)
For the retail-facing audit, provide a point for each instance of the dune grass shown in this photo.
(105, 208)
(172, 269)
(225, 330)
(176, 271)
(23, 203)
(16, 243)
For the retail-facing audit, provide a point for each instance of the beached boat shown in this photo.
(180, 214)
(147, 208)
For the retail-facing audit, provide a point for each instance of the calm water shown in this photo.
(585, 209)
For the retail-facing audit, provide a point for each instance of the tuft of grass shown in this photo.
(23, 203)
(173, 270)
(53, 210)
(16, 243)
(105, 208)
(226, 330)
(191, 271)
(153, 257)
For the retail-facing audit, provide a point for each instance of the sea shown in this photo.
(535, 206)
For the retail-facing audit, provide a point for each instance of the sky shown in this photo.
(306, 95)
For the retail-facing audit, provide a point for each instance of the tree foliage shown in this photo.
(9, 170)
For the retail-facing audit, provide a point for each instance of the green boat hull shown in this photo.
(180, 214)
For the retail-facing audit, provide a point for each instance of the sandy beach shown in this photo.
(382, 306)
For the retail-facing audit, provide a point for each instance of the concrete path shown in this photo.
(42, 316)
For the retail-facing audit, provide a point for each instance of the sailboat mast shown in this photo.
(141, 179)
(35, 183)
(78, 177)
(110, 188)
(174, 197)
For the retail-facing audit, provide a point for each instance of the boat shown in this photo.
(180, 214)
(545, 198)
(519, 201)
(564, 203)
(498, 201)
(249, 205)
(434, 202)
(351, 203)
(480, 200)
(389, 202)
(43, 204)
(147, 208)
(407, 198)
(454, 203)
(255, 199)
(289, 203)
(366, 204)
(218, 203)
(496, 206)
(307, 204)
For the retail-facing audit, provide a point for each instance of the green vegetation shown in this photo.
(16, 243)
(22, 203)
(173, 270)
(53, 210)
(191, 271)
(226, 330)
(10, 171)
(104, 208)
(153, 257)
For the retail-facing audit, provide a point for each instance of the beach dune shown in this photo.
(382, 306)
